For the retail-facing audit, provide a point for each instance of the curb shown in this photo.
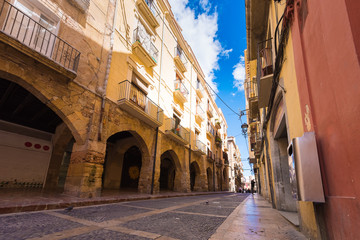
(90, 202)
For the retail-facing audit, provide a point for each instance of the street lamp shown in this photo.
(244, 128)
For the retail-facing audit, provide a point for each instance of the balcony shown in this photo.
(218, 141)
(180, 93)
(210, 132)
(144, 48)
(218, 162)
(217, 125)
(252, 96)
(199, 116)
(180, 59)
(37, 41)
(210, 156)
(176, 132)
(264, 72)
(226, 158)
(210, 111)
(137, 104)
(200, 147)
(199, 89)
(149, 10)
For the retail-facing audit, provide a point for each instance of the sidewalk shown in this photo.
(256, 219)
(23, 201)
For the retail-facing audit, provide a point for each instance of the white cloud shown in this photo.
(239, 74)
(206, 6)
(200, 32)
(225, 53)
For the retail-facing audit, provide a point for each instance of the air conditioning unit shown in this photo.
(304, 168)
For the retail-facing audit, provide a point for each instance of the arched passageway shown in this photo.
(167, 174)
(209, 176)
(123, 162)
(35, 144)
(169, 179)
(131, 168)
(194, 176)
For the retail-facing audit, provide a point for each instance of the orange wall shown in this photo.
(327, 69)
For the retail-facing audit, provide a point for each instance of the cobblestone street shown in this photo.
(195, 217)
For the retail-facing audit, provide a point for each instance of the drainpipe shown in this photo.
(108, 65)
(214, 175)
(190, 128)
(158, 102)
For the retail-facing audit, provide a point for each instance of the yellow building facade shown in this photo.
(274, 114)
(118, 99)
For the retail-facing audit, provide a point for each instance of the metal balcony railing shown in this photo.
(210, 129)
(200, 146)
(175, 127)
(199, 86)
(210, 110)
(209, 155)
(179, 86)
(152, 6)
(251, 88)
(131, 92)
(199, 110)
(226, 158)
(264, 60)
(143, 37)
(29, 32)
(180, 53)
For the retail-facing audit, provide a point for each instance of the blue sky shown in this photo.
(216, 31)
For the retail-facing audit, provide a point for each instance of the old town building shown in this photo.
(302, 68)
(104, 95)
(235, 165)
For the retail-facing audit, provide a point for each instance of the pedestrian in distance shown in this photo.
(252, 186)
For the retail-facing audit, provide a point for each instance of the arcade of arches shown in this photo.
(52, 151)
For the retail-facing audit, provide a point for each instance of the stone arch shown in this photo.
(278, 100)
(117, 151)
(38, 134)
(195, 177)
(209, 176)
(47, 96)
(170, 171)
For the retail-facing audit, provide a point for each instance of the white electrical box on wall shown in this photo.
(304, 157)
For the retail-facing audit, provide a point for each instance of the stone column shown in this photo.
(85, 170)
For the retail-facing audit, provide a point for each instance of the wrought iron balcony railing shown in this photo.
(199, 86)
(173, 126)
(180, 53)
(264, 59)
(210, 111)
(34, 35)
(210, 129)
(199, 111)
(152, 7)
(143, 37)
(210, 156)
(180, 86)
(132, 93)
(251, 89)
(200, 146)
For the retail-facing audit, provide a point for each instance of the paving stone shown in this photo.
(104, 234)
(30, 225)
(177, 225)
(103, 212)
(208, 209)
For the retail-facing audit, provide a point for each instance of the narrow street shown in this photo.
(195, 217)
